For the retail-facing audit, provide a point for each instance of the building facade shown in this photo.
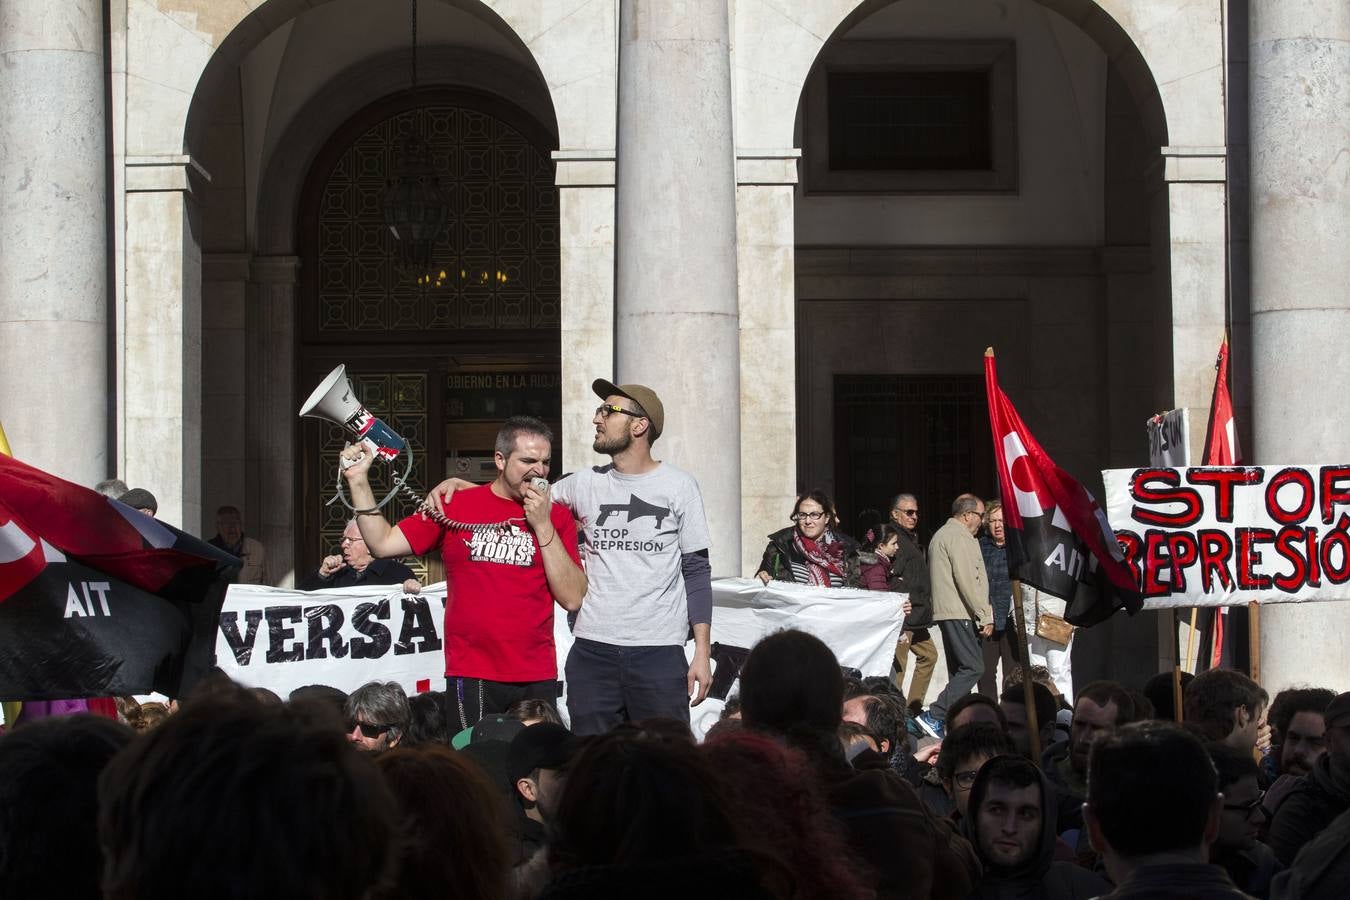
(800, 221)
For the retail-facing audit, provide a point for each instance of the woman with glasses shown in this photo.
(812, 551)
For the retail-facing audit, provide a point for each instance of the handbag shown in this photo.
(1053, 628)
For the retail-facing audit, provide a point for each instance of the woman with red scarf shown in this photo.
(812, 552)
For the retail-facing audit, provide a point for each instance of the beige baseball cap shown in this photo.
(641, 395)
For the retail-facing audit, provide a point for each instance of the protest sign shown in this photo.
(1222, 536)
(1169, 438)
(283, 639)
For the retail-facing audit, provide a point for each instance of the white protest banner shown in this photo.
(1227, 536)
(343, 637)
(861, 627)
(1169, 438)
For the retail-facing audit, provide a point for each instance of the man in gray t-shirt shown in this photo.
(645, 547)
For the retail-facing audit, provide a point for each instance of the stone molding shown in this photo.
(764, 167)
(889, 262)
(585, 168)
(274, 269)
(145, 174)
(1200, 165)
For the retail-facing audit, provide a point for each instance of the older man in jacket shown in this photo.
(961, 608)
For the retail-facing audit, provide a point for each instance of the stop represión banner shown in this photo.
(1227, 536)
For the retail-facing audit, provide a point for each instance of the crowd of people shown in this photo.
(812, 785)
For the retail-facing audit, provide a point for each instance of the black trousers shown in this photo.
(469, 699)
(999, 645)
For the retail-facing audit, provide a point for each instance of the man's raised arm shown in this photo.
(382, 539)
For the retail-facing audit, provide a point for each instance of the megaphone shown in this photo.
(334, 400)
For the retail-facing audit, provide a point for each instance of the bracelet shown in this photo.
(550, 540)
(373, 511)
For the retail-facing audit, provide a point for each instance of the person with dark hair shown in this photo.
(1152, 811)
(1298, 728)
(1227, 706)
(1321, 795)
(1101, 708)
(973, 708)
(536, 765)
(377, 716)
(649, 578)
(231, 797)
(960, 605)
(510, 554)
(1161, 692)
(882, 716)
(964, 751)
(454, 841)
(140, 500)
(1012, 826)
(812, 551)
(1013, 702)
(1003, 644)
(772, 790)
(637, 813)
(49, 772)
(230, 537)
(909, 575)
(426, 720)
(1249, 863)
(791, 687)
(334, 698)
(532, 711)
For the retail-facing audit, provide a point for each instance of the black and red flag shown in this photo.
(1058, 538)
(96, 598)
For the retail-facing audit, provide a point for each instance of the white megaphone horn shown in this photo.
(334, 400)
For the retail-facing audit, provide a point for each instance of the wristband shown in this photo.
(550, 540)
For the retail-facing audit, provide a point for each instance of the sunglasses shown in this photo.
(605, 410)
(367, 729)
(908, 512)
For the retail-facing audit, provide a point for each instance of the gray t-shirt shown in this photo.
(634, 529)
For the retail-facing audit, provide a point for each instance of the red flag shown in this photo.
(1058, 538)
(1221, 449)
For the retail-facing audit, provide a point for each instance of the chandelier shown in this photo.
(416, 207)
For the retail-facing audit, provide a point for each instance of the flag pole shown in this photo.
(1254, 640)
(1176, 669)
(1190, 638)
(1028, 691)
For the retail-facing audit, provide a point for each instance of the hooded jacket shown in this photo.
(1039, 877)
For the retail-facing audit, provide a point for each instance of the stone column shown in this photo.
(1299, 70)
(270, 412)
(676, 318)
(585, 181)
(162, 336)
(765, 269)
(53, 237)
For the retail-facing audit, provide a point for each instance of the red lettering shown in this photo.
(1143, 491)
(1314, 558)
(1332, 492)
(1287, 545)
(1225, 482)
(1249, 557)
(1154, 560)
(1216, 549)
(1337, 573)
(1182, 550)
(1284, 477)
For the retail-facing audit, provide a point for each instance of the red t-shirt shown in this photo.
(498, 609)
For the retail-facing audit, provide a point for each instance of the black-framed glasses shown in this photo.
(604, 411)
(367, 729)
(810, 516)
(965, 779)
(1251, 806)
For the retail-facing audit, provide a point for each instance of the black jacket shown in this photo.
(380, 571)
(1311, 806)
(1039, 877)
(782, 552)
(909, 574)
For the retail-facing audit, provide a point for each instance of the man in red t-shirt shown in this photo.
(509, 553)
